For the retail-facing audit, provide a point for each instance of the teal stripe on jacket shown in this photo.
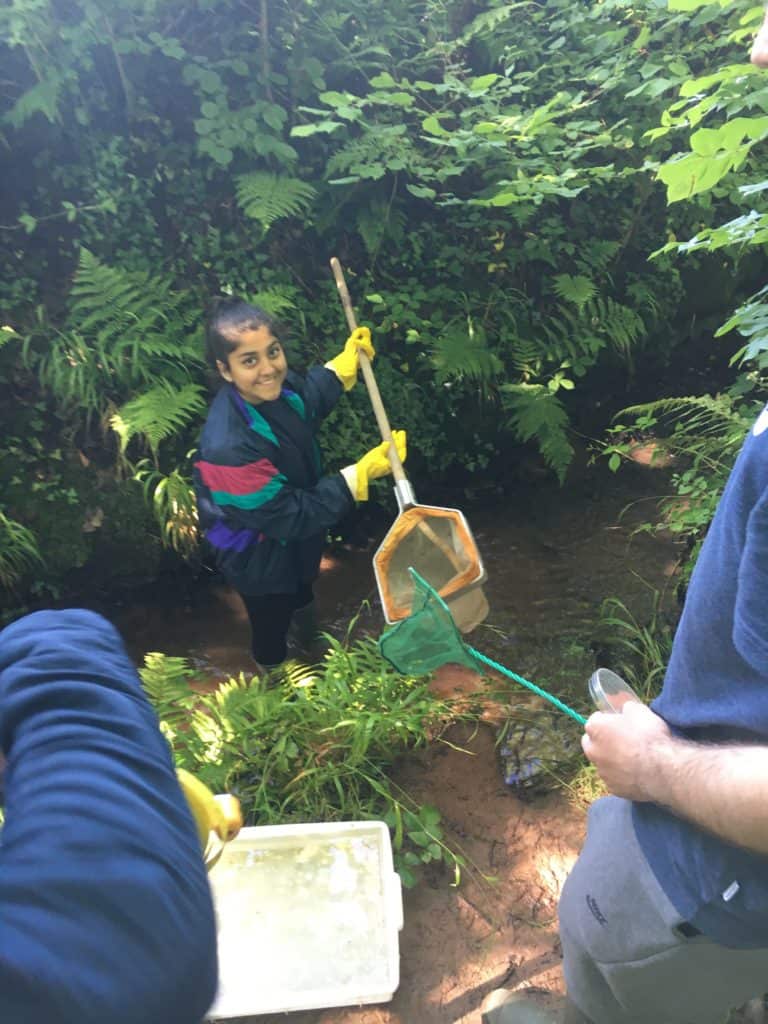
(254, 500)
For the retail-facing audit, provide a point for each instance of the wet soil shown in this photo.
(552, 556)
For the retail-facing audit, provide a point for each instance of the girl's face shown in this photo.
(256, 366)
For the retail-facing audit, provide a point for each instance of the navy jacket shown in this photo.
(264, 505)
(105, 910)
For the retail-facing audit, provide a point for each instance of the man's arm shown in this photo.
(721, 788)
(105, 910)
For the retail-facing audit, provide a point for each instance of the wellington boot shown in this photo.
(304, 625)
(304, 631)
(268, 673)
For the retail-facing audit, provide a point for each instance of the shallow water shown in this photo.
(298, 917)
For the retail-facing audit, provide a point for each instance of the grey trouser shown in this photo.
(623, 961)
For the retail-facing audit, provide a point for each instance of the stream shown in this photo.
(552, 555)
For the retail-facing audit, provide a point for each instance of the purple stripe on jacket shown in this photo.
(224, 538)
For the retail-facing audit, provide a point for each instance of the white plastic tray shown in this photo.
(308, 917)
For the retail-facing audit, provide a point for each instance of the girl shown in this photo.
(263, 501)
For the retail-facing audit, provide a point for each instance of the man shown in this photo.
(664, 918)
(105, 911)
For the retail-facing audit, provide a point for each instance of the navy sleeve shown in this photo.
(322, 390)
(105, 911)
(288, 513)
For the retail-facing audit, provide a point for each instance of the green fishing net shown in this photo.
(428, 638)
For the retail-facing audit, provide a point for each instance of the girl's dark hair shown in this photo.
(229, 316)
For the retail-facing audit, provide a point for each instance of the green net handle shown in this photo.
(531, 686)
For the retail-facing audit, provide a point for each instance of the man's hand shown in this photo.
(625, 749)
(722, 788)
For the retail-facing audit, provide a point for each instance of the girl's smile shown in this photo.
(256, 365)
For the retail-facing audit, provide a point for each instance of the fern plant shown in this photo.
(461, 353)
(535, 413)
(174, 506)
(276, 300)
(313, 744)
(703, 435)
(19, 552)
(267, 197)
(158, 413)
(577, 289)
(379, 221)
(124, 328)
(306, 747)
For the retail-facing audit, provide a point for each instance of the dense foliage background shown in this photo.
(493, 176)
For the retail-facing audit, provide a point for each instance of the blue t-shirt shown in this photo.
(105, 912)
(716, 689)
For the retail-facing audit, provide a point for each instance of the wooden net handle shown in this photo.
(398, 472)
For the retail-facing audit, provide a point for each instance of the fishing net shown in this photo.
(428, 638)
(435, 541)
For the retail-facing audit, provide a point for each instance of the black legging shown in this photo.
(270, 616)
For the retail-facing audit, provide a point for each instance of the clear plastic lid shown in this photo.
(609, 691)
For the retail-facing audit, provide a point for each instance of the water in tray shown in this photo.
(300, 917)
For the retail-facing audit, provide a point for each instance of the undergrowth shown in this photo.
(312, 743)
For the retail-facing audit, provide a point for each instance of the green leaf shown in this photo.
(383, 81)
(577, 289)
(28, 222)
(421, 191)
(321, 127)
(407, 877)
(432, 125)
(483, 82)
(429, 816)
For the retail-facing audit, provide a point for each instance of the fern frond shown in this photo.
(158, 413)
(622, 326)
(18, 551)
(488, 22)
(525, 357)
(371, 155)
(595, 257)
(275, 300)
(577, 289)
(379, 221)
(267, 197)
(535, 413)
(461, 353)
(124, 328)
(698, 419)
(173, 504)
(166, 681)
(571, 335)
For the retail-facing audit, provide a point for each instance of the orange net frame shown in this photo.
(438, 543)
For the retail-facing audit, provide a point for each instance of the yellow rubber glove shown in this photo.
(374, 464)
(219, 814)
(347, 362)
